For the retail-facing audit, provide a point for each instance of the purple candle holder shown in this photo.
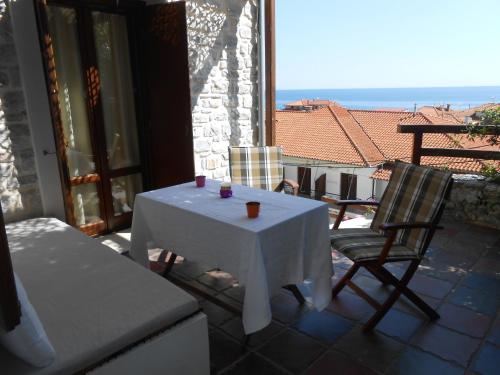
(226, 193)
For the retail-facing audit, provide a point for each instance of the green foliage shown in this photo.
(491, 172)
(489, 117)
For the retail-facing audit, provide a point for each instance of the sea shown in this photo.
(404, 98)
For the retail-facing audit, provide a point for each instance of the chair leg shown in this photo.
(296, 293)
(375, 319)
(408, 293)
(401, 288)
(342, 282)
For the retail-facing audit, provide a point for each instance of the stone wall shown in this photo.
(476, 201)
(19, 192)
(223, 62)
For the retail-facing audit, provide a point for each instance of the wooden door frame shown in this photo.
(94, 112)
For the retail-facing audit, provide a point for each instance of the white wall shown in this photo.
(380, 188)
(35, 93)
(364, 182)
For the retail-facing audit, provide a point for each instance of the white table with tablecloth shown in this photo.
(287, 244)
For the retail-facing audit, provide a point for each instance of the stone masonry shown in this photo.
(19, 192)
(475, 201)
(223, 62)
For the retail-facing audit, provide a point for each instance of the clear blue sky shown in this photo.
(328, 44)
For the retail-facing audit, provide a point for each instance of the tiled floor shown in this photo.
(460, 277)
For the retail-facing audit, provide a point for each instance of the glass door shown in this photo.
(91, 92)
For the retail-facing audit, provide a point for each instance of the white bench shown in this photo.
(103, 313)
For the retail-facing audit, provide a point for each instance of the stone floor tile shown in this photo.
(430, 286)
(373, 350)
(445, 265)
(490, 267)
(477, 300)
(292, 350)
(464, 320)
(254, 364)
(416, 362)
(487, 361)
(446, 344)
(373, 287)
(236, 292)
(334, 362)
(216, 315)
(286, 309)
(217, 280)
(191, 269)
(397, 268)
(340, 261)
(223, 351)
(350, 306)
(485, 283)
(234, 327)
(494, 335)
(399, 325)
(323, 325)
(405, 305)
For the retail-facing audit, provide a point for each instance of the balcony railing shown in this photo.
(419, 151)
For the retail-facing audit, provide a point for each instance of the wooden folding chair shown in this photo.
(404, 224)
(260, 167)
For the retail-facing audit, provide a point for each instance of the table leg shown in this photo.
(296, 293)
(169, 265)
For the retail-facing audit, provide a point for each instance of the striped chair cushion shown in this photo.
(363, 244)
(413, 194)
(259, 167)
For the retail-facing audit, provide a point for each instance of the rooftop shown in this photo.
(367, 137)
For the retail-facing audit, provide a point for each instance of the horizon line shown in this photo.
(392, 88)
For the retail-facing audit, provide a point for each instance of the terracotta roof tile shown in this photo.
(363, 137)
(314, 135)
(368, 150)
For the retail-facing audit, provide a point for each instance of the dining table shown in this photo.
(287, 244)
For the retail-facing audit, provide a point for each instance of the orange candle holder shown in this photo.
(253, 209)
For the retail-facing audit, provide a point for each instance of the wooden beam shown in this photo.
(270, 70)
(10, 311)
(454, 129)
(416, 153)
(461, 153)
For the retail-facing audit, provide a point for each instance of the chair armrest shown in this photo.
(349, 202)
(343, 205)
(294, 185)
(415, 225)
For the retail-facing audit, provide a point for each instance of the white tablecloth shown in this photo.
(287, 244)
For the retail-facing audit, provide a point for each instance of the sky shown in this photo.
(333, 44)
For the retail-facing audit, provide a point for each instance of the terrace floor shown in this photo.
(460, 277)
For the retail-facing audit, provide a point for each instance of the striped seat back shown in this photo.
(413, 194)
(258, 167)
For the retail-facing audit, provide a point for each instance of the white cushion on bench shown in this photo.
(91, 300)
